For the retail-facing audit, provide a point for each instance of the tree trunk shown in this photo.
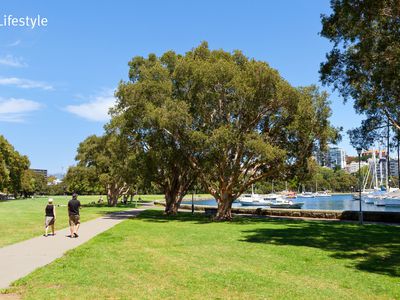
(108, 189)
(114, 199)
(224, 211)
(171, 205)
(112, 195)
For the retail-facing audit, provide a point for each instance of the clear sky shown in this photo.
(57, 81)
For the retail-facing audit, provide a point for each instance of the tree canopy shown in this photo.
(232, 120)
(12, 167)
(103, 161)
(364, 63)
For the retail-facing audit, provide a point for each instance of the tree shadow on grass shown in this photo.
(372, 248)
(93, 204)
(158, 216)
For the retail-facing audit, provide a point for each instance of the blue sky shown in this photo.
(57, 82)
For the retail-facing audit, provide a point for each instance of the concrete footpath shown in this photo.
(18, 260)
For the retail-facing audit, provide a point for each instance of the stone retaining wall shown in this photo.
(370, 216)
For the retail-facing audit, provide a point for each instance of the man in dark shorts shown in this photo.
(73, 212)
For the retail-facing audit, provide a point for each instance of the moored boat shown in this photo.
(306, 195)
(254, 200)
(388, 202)
(368, 200)
(285, 203)
(289, 195)
(322, 194)
(389, 199)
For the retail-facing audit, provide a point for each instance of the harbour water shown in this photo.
(336, 202)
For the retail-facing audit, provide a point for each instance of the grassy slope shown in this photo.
(23, 219)
(190, 258)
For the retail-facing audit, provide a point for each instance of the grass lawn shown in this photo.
(186, 257)
(23, 219)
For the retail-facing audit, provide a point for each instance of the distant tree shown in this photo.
(40, 183)
(51, 179)
(335, 180)
(112, 162)
(12, 167)
(61, 189)
(33, 183)
(28, 183)
(82, 180)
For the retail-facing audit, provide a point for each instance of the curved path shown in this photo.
(22, 258)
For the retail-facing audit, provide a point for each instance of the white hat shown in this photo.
(50, 200)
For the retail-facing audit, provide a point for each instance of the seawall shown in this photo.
(348, 215)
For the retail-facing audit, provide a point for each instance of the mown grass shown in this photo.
(24, 219)
(189, 257)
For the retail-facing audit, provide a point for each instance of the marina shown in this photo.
(335, 202)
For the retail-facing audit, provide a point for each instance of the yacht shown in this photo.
(389, 199)
(322, 194)
(306, 195)
(285, 203)
(255, 200)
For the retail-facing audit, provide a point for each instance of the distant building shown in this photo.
(40, 171)
(333, 158)
(336, 158)
(353, 166)
(394, 167)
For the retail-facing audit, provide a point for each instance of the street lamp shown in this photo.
(193, 202)
(360, 216)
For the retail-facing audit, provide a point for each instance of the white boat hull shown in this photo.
(254, 203)
(253, 200)
(297, 205)
(305, 196)
(388, 202)
(369, 201)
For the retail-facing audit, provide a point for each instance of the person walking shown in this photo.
(74, 218)
(50, 217)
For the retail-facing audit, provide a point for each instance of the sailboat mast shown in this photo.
(375, 172)
(387, 157)
(380, 167)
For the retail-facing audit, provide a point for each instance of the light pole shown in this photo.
(360, 216)
(193, 202)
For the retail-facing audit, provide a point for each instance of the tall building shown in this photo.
(336, 158)
(394, 169)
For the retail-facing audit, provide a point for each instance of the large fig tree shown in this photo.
(232, 120)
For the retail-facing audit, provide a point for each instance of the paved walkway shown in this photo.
(18, 260)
